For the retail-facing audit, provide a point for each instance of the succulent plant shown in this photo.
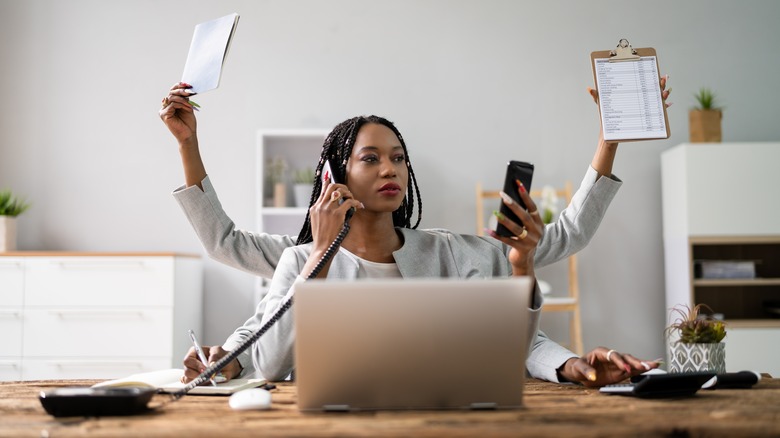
(695, 328)
(706, 99)
(11, 205)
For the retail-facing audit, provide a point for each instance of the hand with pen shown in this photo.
(604, 367)
(193, 366)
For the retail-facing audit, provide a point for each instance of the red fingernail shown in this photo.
(520, 185)
(628, 368)
(327, 175)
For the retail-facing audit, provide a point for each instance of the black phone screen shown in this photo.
(515, 170)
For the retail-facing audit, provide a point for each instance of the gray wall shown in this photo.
(469, 83)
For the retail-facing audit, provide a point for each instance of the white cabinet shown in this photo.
(69, 315)
(11, 306)
(719, 204)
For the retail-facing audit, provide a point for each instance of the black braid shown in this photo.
(338, 147)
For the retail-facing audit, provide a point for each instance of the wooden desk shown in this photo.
(550, 410)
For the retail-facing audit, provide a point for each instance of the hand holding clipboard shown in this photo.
(631, 96)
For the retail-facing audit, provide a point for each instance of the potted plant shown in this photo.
(698, 346)
(277, 173)
(705, 119)
(10, 207)
(303, 184)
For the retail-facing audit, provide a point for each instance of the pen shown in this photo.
(199, 350)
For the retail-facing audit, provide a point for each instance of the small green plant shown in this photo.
(695, 328)
(11, 205)
(706, 99)
(304, 176)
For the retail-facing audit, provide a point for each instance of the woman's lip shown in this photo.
(390, 187)
(389, 192)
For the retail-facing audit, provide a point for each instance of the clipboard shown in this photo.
(631, 107)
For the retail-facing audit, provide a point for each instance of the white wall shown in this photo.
(470, 84)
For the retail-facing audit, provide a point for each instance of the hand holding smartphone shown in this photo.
(515, 170)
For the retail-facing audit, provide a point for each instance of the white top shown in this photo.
(369, 269)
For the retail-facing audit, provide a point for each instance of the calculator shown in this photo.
(661, 385)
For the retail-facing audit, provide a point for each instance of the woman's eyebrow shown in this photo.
(376, 148)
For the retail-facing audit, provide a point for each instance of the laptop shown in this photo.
(396, 344)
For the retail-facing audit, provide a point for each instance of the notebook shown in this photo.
(411, 344)
(169, 380)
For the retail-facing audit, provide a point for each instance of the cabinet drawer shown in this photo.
(11, 281)
(44, 369)
(129, 333)
(10, 369)
(100, 281)
(10, 332)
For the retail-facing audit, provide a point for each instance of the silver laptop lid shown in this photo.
(411, 344)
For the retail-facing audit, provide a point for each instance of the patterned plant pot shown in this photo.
(697, 357)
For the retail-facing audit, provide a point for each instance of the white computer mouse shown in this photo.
(252, 398)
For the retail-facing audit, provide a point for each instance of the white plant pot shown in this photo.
(302, 194)
(697, 357)
(7, 233)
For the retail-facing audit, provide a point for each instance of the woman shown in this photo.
(371, 151)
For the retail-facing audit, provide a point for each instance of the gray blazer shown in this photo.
(445, 255)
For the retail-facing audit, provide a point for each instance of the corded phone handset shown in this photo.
(335, 177)
(63, 402)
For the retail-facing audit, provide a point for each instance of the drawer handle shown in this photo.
(13, 365)
(10, 314)
(10, 265)
(102, 314)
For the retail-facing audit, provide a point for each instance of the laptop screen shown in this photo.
(411, 344)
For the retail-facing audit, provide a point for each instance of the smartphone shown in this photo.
(515, 170)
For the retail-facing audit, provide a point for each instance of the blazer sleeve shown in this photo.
(578, 222)
(256, 253)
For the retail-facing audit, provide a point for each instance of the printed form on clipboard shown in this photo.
(630, 101)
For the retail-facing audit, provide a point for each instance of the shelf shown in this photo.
(752, 323)
(285, 211)
(718, 282)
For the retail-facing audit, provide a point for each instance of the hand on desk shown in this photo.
(193, 365)
(604, 367)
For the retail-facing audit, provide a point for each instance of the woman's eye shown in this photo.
(399, 158)
(370, 158)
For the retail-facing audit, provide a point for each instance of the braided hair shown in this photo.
(338, 148)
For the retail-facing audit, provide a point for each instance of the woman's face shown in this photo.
(377, 174)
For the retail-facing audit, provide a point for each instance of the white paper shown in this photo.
(630, 99)
(208, 50)
(169, 380)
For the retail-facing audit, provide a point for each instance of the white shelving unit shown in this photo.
(299, 149)
(720, 203)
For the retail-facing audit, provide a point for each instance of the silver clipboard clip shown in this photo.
(623, 52)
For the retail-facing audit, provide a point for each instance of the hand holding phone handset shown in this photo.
(334, 176)
(331, 175)
(515, 171)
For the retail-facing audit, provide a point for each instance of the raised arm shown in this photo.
(257, 253)
(178, 114)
